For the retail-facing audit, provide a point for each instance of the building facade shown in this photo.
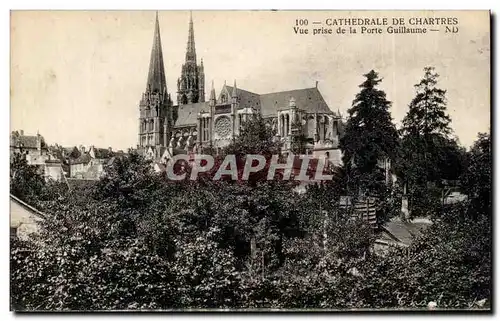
(36, 152)
(194, 124)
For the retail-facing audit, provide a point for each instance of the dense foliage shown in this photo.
(135, 240)
(370, 137)
(428, 155)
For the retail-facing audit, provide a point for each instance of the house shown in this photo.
(37, 153)
(398, 233)
(33, 146)
(24, 219)
(90, 164)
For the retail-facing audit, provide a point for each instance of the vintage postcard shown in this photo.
(250, 160)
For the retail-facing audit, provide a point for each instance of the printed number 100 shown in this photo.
(301, 22)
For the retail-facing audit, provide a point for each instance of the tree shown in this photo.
(427, 111)
(26, 181)
(477, 179)
(449, 264)
(255, 137)
(428, 154)
(370, 135)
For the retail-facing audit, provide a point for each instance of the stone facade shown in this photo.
(195, 124)
(36, 152)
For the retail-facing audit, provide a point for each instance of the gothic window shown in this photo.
(325, 127)
(223, 98)
(223, 126)
(207, 127)
(287, 124)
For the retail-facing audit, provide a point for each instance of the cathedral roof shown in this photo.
(309, 99)
(187, 114)
(245, 98)
(156, 74)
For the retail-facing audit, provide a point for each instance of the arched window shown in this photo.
(287, 125)
(281, 125)
(325, 127)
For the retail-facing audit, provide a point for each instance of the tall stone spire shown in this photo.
(191, 83)
(156, 74)
(191, 50)
(155, 112)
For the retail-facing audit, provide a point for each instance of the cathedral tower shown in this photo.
(191, 83)
(155, 107)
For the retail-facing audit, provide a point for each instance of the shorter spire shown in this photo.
(191, 51)
(235, 93)
(212, 92)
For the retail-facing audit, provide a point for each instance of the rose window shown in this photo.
(223, 126)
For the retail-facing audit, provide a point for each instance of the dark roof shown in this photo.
(26, 141)
(187, 114)
(404, 232)
(103, 153)
(245, 98)
(83, 159)
(308, 99)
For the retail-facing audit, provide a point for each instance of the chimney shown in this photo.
(21, 132)
(316, 84)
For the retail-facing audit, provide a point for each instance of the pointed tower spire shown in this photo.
(212, 92)
(234, 93)
(191, 51)
(156, 74)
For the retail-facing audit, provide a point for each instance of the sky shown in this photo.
(77, 76)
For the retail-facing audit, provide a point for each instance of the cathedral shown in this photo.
(192, 124)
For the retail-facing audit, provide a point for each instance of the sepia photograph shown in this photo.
(250, 160)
